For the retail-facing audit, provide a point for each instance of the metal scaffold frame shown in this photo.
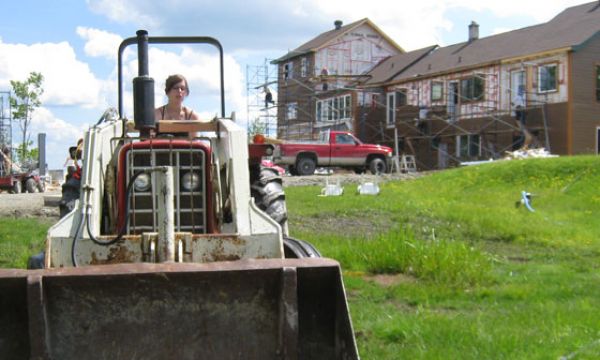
(5, 119)
(261, 79)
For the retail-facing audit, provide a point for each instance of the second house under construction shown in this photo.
(533, 87)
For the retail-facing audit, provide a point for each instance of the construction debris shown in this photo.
(527, 154)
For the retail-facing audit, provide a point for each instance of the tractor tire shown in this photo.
(298, 249)
(377, 166)
(41, 186)
(70, 193)
(306, 166)
(17, 187)
(30, 185)
(267, 190)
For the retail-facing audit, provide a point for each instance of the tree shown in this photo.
(24, 102)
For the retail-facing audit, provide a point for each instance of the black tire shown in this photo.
(30, 185)
(70, 193)
(306, 166)
(377, 166)
(17, 187)
(41, 186)
(267, 190)
(298, 249)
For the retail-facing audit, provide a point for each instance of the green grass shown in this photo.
(445, 266)
(469, 275)
(19, 239)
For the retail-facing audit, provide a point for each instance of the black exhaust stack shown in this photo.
(143, 90)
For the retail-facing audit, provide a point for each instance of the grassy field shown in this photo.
(446, 266)
(19, 239)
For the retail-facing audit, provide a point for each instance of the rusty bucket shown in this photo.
(250, 309)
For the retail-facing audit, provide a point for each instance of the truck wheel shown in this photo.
(30, 185)
(306, 166)
(267, 190)
(17, 187)
(70, 193)
(377, 166)
(298, 249)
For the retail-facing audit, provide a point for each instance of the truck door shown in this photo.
(343, 151)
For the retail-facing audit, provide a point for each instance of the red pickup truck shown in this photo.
(334, 149)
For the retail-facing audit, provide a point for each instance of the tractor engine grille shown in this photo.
(190, 201)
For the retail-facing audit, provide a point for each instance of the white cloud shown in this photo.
(99, 43)
(67, 81)
(132, 11)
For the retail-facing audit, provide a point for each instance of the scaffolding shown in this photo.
(435, 125)
(5, 120)
(261, 102)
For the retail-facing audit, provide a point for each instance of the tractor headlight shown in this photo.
(190, 181)
(142, 182)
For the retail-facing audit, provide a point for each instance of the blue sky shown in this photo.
(73, 43)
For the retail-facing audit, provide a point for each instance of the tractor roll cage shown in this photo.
(171, 40)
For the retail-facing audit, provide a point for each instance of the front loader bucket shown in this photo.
(249, 309)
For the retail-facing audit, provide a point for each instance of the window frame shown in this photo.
(390, 111)
(434, 84)
(597, 74)
(469, 146)
(337, 108)
(288, 70)
(291, 111)
(539, 77)
(303, 67)
(467, 98)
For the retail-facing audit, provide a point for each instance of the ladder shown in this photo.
(408, 164)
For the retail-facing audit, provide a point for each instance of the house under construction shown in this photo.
(447, 105)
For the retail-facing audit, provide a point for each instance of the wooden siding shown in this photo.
(585, 108)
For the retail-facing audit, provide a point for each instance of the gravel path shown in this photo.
(29, 205)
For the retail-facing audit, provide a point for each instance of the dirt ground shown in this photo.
(46, 204)
(344, 178)
(30, 205)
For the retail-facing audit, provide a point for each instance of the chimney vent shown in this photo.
(338, 24)
(473, 31)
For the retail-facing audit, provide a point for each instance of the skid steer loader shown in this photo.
(175, 248)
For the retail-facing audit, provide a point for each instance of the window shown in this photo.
(468, 146)
(597, 82)
(288, 71)
(437, 91)
(401, 98)
(390, 105)
(344, 139)
(334, 109)
(292, 111)
(303, 67)
(471, 89)
(547, 78)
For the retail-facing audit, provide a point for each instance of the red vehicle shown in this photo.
(334, 149)
(16, 183)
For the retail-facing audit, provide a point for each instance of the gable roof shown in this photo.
(327, 37)
(569, 29)
(395, 65)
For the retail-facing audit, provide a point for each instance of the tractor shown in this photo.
(174, 247)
